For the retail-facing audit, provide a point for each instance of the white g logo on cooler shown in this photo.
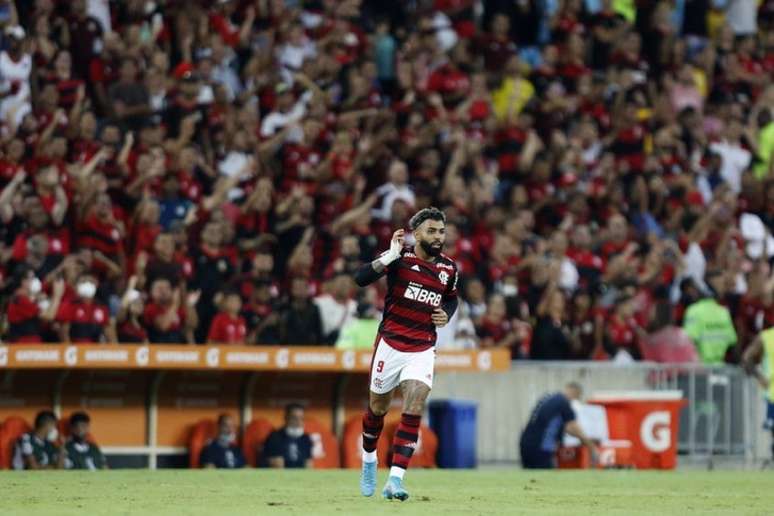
(655, 431)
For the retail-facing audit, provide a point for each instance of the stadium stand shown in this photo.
(596, 161)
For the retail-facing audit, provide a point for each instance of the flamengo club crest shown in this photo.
(443, 276)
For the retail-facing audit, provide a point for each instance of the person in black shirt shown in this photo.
(289, 447)
(38, 449)
(551, 340)
(222, 452)
(552, 416)
(300, 321)
(213, 269)
(81, 451)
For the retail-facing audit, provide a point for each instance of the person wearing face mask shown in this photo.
(289, 447)
(129, 327)
(30, 309)
(223, 452)
(80, 450)
(84, 319)
(38, 449)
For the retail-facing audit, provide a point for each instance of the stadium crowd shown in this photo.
(214, 171)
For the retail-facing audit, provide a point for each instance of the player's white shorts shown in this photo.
(390, 367)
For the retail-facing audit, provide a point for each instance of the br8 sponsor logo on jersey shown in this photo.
(421, 295)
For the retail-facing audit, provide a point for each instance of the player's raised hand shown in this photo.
(439, 317)
(396, 244)
(393, 253)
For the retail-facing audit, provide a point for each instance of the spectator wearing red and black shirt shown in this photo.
(228, 327)
(85, 36)
(588, 263)
(68, 87)
(450, 82)
(622, 333)
(497, 46)
(29, 309)
(168, 318)
(261, 315)
(129, 323)
(496, 331)
(100, 231)
(84, 320)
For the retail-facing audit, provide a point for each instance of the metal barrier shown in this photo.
(722, 420)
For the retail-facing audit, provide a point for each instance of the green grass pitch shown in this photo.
(487, 491)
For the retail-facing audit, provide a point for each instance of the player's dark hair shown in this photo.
(290, 407)
(79, 417)
(43, 417)
(431, 213)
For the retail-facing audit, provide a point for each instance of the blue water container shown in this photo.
(454, 422)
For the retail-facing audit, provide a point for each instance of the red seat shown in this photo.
(10, 431)
(325, 446)
(202, 432)
(254, 438)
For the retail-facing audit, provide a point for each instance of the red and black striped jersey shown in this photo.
(415, 288)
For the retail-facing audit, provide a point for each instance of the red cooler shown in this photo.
(649, 420)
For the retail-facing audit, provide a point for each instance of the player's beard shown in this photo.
(429, 249)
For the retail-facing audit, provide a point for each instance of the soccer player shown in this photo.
(762, 350)
(421, 295)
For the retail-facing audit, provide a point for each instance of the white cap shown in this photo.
(16, 31)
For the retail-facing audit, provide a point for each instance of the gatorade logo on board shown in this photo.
(348, 359)
(213, 357)
(142, 356)
(71, 355)
(655, 431)
(484, 360)
(3, 356)
(282, 358)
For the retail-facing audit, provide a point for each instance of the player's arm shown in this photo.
(751, 358)
(574, 429)
(370, 272)
(449, 303)
(277, 462)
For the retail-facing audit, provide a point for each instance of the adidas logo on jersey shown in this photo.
(415, 267)
(421, 295)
